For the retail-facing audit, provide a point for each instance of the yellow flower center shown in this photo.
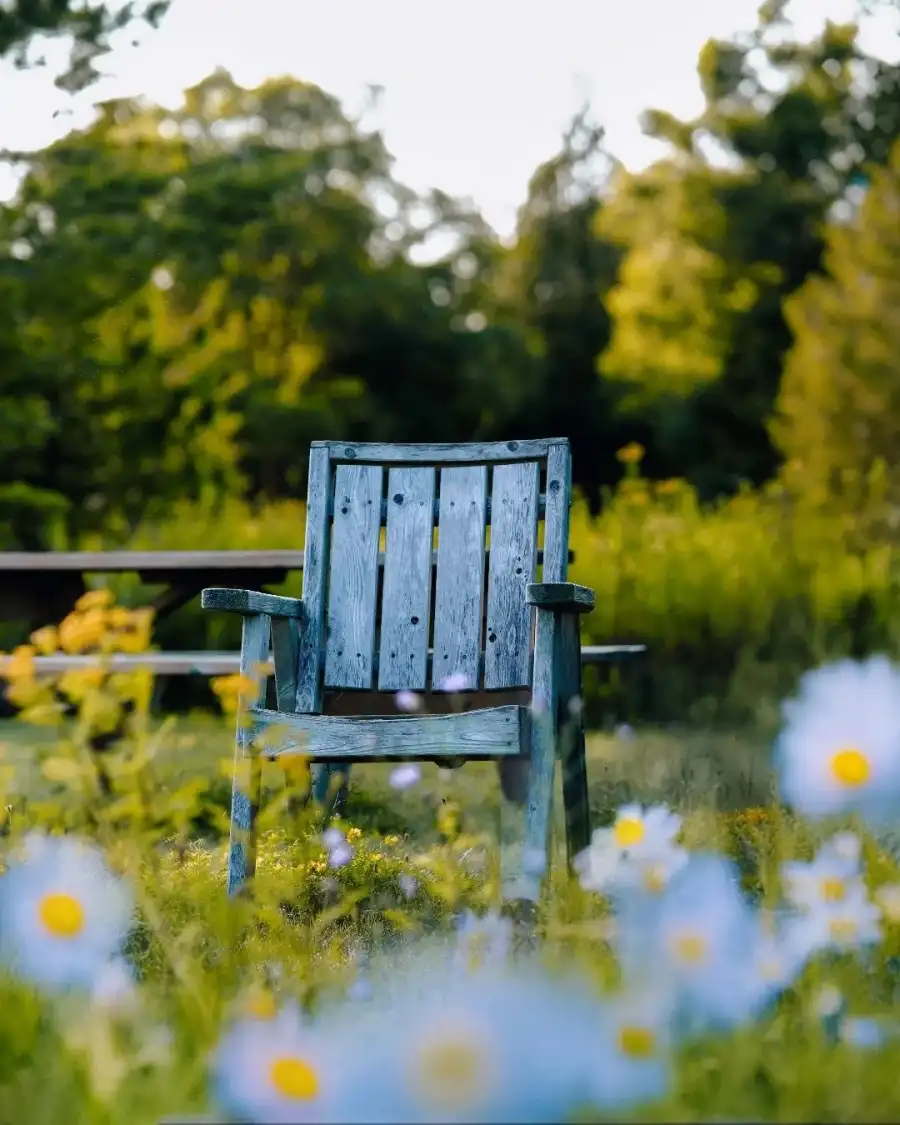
(843, 929)
(262, 1006)
(452, 1072)
(690, 948)
(61, 915)
(833, 890)
(628, 831)
(637, 1042)
(294, 1078)
(850, 767)
(654, 880)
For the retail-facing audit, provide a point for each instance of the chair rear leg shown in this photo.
(330, 786)
(570, 737)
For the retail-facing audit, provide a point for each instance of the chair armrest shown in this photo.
(250, 602)
(564, 596)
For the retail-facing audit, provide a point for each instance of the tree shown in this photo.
(717, 236)
(838, 413)
(88, 23)
(553, 284)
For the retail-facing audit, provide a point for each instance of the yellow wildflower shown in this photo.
(631, 454)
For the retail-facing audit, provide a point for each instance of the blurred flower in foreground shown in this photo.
(839, 749)
(632, 1062)
(847, 924)
(63, 914)
(697, 938)
(495, 1047)
(834, 874)
(405, 776)
(281, 1072)
(637, 852)
(115, 989)
(408, 701)
(483, 941)
(340, 852)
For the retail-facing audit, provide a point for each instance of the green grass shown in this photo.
(197, 952)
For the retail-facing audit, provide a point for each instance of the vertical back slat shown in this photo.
(353, 579)
(556, 513)
(459, 596)
(513, 558)
(406, 595)
(315, 572)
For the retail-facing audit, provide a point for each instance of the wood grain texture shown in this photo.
(558, 499)
(249, 602)
(492, 733)
(564, 596)
(459, 593)
(385, 511)
(171, 562)
(507, 660)
(246, 785)
(353, 576)
(311, 641)
(406, 597)
(467, 453)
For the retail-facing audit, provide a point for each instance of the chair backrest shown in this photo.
(465, 600)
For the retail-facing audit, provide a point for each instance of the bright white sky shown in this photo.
(474, 100)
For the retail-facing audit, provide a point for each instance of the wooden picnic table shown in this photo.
(41, 587)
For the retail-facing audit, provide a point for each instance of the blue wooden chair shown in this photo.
(474, 609)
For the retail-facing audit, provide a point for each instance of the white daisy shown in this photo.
(408, 701)
(483, 941)
(63, 914)
(839, 749)
(831, 876)
(697, 937)
(851, 923)
(283, 1072)
(495, 1047)
(405, 776)
(114, 989)
(633, 1064)
(637, 852)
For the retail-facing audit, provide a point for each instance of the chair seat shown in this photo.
(491, 732)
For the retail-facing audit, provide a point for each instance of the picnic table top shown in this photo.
(90, 562)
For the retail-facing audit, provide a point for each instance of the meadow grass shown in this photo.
(307, 931)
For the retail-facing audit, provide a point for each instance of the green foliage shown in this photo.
(839, 403)
(88, 25)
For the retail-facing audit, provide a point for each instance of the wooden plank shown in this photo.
(385, 510)
(566, 596)
(459, 595)
(246, 786)
(315, 583)
(492, 733)
(512, 566)
(353, 577)
(121, 562)
(406, 596)
(225, 663)
(558, 499)
(467, 453)
(250, 602)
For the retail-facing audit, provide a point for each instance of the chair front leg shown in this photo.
(245, 796)
(570, 735)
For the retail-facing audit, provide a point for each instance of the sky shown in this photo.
(476, 93)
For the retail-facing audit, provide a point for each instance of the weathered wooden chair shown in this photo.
(518, 650)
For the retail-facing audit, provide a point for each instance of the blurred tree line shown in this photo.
(188, 298)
